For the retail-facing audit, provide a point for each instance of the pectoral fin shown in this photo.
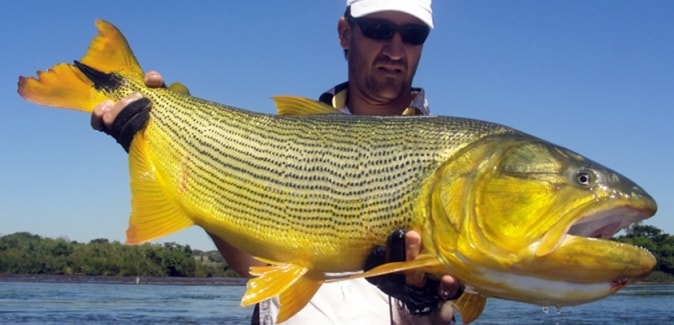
(426, 262)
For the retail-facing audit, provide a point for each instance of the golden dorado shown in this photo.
(311, 192)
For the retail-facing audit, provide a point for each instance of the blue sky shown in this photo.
(594, 76)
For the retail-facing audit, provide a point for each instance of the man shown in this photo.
(382, 41)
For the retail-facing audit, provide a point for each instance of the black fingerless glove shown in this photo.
(417, 301)
(130, 120)
(134, 117)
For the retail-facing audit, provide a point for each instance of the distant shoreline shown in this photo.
(213, 281)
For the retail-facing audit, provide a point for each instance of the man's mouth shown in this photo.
(390, 69)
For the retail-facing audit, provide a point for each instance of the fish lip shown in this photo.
(604, 224)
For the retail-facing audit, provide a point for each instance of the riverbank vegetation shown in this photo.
(25, 253)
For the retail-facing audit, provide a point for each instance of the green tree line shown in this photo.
(25, 253)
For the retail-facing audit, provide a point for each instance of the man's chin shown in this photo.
(389, 89)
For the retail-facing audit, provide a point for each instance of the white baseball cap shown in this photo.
(420, 9)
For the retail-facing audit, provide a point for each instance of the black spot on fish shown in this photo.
(101, 80)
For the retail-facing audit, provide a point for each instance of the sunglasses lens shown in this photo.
(380, 30)
(414, 34)
(384, 30)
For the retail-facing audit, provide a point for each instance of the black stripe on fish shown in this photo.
(101, 80)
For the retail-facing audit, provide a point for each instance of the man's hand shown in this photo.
(449, 288)
(419, 295)
(105, 113)
(124, 118)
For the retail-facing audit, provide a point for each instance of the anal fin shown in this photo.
(293, 284)
(470, 305)
(296, 297)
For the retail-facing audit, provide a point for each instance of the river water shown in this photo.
(216, 301)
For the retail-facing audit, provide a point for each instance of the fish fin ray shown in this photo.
(110, 52)
(296, 105)
(271, 281)
(152, 214)
(65, 85)
(470, 305)
(423, 261)
(296, 297)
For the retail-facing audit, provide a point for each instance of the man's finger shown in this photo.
(153, 79)
(412, 250)
(449, 288)
(97, 116)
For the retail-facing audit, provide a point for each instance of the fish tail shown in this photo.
(109, 70)
(82, 85)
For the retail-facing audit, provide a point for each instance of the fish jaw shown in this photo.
(586, 255)
(579, 271)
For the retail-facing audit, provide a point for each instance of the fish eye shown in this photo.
(584, 178)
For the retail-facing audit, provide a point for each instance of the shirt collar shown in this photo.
(336, 97)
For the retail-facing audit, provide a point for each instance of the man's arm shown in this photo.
(237, 259)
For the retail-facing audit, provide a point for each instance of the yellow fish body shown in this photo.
(311, 192)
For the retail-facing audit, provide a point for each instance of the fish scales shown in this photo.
(303, 178)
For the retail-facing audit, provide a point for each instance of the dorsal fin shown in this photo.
(295, 105)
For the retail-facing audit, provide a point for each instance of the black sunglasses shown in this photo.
(382, 29)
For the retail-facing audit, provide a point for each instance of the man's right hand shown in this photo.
(123, 119)
(105, 113)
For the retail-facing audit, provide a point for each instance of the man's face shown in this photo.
(383, 69)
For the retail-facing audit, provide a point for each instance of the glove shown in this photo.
(417, 301)
(129, 121)
(134, 117)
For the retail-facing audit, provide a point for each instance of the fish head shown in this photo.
(522, 219)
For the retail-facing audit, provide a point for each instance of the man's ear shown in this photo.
(344, 32)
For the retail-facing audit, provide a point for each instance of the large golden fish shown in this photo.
(312, 192)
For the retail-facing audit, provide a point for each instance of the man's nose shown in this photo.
(395, 48)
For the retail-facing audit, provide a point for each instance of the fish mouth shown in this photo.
(585, 254)
(605, 224)
(598, 222)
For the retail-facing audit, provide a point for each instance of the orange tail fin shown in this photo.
(65, 85)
